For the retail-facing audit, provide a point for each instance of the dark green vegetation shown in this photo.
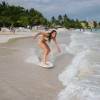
(65, 21)
(16, 16)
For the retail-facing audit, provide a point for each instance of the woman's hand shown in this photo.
(59, 50)
(35, 36)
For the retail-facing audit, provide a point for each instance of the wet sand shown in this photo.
(26, 81)
(6, 36)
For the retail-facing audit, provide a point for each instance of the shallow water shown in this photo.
(82, 77)
(21, 80)
(62, 39)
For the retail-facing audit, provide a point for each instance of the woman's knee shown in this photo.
(47, 51)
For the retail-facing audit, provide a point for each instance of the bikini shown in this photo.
(43, 38)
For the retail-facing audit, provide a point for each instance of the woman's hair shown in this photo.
(50, 34)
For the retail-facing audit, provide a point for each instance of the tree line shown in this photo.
(11, 15)
(65, 21)
(19, 16)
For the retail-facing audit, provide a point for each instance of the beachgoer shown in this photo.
(45, 37)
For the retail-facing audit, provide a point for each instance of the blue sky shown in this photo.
(82, 9)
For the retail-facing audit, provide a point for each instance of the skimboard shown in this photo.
(48, 65)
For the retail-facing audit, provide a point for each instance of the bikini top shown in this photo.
(43, 37)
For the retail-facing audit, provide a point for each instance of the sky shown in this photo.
(81, 9)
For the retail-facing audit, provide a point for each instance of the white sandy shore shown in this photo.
(6, 37)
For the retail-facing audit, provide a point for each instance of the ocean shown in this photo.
(81, 78)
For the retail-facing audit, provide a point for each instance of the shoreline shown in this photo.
(81, 77)
(4, 38)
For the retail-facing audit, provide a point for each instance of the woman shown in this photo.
(45, 37)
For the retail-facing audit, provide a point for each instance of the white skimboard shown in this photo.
(48, 65)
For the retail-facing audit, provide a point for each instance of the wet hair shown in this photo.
(50, 34)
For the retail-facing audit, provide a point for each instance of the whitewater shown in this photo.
(81, 79)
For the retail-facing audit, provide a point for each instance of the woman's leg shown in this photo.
(46, 51)
(45, 55)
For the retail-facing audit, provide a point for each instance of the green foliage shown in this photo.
(65, 21)
(19, 16)
(95, 24)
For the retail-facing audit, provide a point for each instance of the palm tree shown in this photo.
(60, 19)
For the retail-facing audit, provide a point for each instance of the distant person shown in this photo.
(45, 37)
(12, 29)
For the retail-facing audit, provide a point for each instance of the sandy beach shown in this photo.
(20, 80)
(74, 29)
(6, 36)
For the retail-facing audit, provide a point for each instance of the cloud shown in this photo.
(74, 8)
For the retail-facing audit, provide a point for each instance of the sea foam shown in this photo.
(82, 77)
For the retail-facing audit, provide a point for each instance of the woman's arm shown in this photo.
(56, 45)
(35, 36)
(40, 33)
